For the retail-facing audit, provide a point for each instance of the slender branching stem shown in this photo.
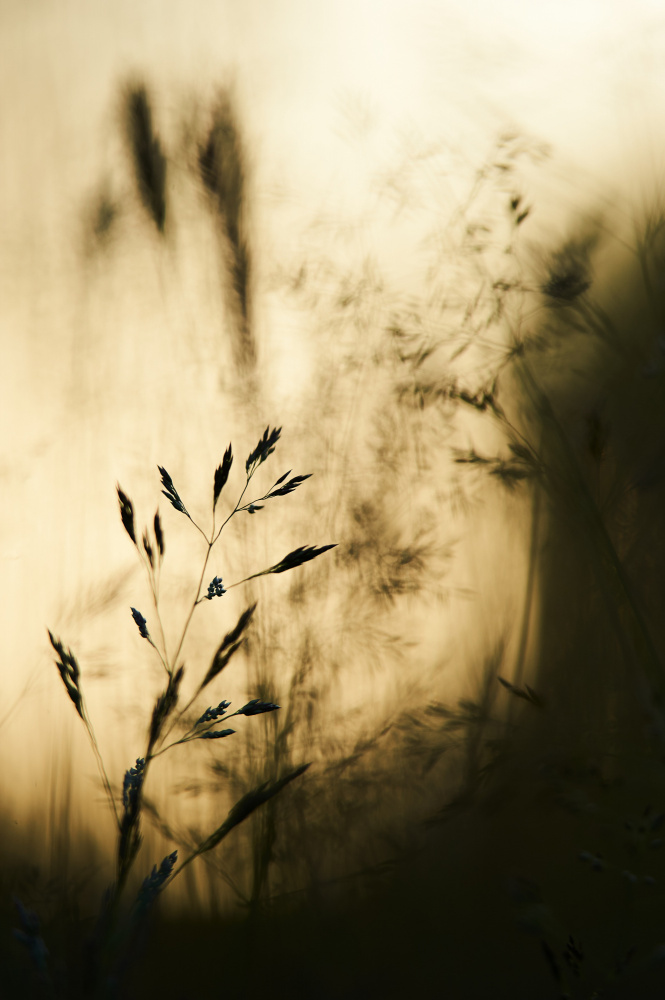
(102, 769)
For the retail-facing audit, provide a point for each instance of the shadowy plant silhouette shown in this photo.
(112, 943)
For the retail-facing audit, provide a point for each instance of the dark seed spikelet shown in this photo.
(129, 840)
(228, 646)
(159, 535)
(171, 493)
(263, 450)
(297, 558)
(141, 623)
(288, 487)
(154, 883)
(148, 158)
(219, 734)
(215, 588)
(256, 707)
(127, 514)
(164, 706)
(132, 783)
(70, 673)
(211, 714)
(222, 475)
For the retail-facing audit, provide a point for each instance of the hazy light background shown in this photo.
(92, 391)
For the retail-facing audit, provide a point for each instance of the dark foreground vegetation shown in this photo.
(507, 843)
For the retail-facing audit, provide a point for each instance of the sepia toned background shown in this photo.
(371, 129)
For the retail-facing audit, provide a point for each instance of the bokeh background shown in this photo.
(383, 144)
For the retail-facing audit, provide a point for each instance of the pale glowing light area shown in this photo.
(424, 239)
(330, 94)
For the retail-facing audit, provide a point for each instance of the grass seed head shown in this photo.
(222, 474)
(141, 624)
(170, 492)
(211, 714)
(127, 514)
(70, 673)
(154, 883)
(263, 450)
(159, 535)
(256, 707)
(132, 782)
(215, 588)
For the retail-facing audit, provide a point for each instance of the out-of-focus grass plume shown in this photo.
(147, 155)
(222, 162)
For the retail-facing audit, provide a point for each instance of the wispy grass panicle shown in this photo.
(145, 148)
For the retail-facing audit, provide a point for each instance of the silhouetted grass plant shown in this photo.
(112, 943)
(382, 560)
